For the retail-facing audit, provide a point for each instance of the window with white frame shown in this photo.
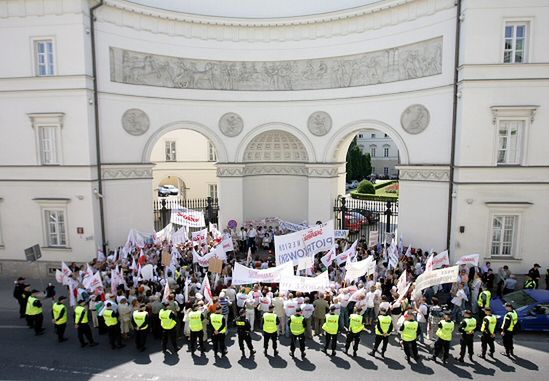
(47, 144)
(212, 155)
(504, 235)
(516, 41)
(385, 151)
(44, 57)
(509, 141)
(386, 171)
(170, 150)
(55, 227)
(373, 151)
(212, 191)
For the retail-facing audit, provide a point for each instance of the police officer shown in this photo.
(297, 331)
(331, 328)
(508, 329)
(270, 330)
(467, 328)
(483, 302)
(35, 313)
(196, 328)
(384, 327)
(356, 326)
(488, 329)
(59, 318)
(243, 329)
(219, 326)
(81, 323)
(113, 326)
(140, 323)
(409, 332)
(444, 333)
(529, 283)
(168, 323)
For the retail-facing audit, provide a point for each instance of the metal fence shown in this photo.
(162, 209)
(362, 216)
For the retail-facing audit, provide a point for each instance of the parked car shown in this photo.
(371, 216)
(167, 190)
(532, 307)
(354, 221)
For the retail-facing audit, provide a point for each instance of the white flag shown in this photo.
(249, 257)
(329, 257)
(167, 292)
(409, 251)
(471, 259)
(347, 255)
(206, 289)
(429, 264)
(200, 237)
(59, 276)
(402, 281)
(94, 282)
(66, 272)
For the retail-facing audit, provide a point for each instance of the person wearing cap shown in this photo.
(508, 327)
(534, 274)
(243, 329)
(270, 330)
(168, 323)
(467, 328)
(409, 332)
(113, 326)
(483, 301)
(59, 318)
(331, 329)
(196, 328)
(140, 323)
(488, 330)
(218, 322)
(81, 324)
(20, 295)
(356, 326)
(297, 332)
(444, 333)
(384, 327)
(35, 313)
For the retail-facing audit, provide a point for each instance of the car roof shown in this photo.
(541, 296)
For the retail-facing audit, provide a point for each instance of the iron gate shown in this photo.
(162, 209)
(362, 216)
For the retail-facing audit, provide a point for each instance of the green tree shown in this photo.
(359, 165)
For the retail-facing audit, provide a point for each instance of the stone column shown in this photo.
(230, 192)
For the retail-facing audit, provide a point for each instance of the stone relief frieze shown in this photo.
(424, 174)
(421, 59)
(126, 173)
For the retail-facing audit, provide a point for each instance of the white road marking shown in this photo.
(98, 372)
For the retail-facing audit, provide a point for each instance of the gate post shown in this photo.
(209, 208)
(388, 213)
(343, 211)
(163, 212)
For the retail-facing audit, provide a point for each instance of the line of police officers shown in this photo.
(409, 330)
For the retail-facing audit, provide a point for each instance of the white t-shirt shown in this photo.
(422, 314)
(241, 299)
(337, 308)
(252, 233)
(459, 298)
(370, 296)
(290, 307)
(344, 299)
(308, 310)
(264, 303)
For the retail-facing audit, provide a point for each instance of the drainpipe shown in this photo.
(97, 136)
(454, 125)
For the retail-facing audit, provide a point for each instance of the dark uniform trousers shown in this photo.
(466, 343)
(140, 338)
(197, 335)
(301, 339)
(84, 330)
(60, 331)
(245, 337)
(508, 342)
(37, 321)
(270, 336)
(353, 338)
(381, 339)
(115, 337)
(486, 341)
(410, 349)
(170, 334)
(330, 339)
(218, 343)
(442, 346)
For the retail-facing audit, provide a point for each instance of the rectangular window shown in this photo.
(212, 191)
(386, 135)
(386, 152)
(212, 156)
(373, 151)
(516, 39)
(360, 136)
(373, 136)
(509, 141)
(43, 56)
(503, 235)
(373, 169)
(385, 171)
(170, 150)
(47, 145)
(55, 227)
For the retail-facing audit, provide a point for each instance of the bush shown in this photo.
(366, 187)
(374, 197)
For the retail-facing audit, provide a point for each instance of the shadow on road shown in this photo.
(171, 358)
(277, 362)
(419, 367)
(524, 363)
(501, 365)
(222, 362)
(340, 363)
(304, 364)
(247, 362)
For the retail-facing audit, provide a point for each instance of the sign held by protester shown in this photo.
(188, 217)
(373, 238)
(290, 282)
(431, 278)
(215, 265)
(246, 275)
(471, 260)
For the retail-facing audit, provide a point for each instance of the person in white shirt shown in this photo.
(241, 298)
(307, 309)
(290, 306)
(230, 293)
(252, 234)
(458, 301)
(421, 317)
(250, 306)
(344, 302)
(370, 305)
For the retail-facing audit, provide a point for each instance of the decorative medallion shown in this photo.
(135, 122)
(415, 119)
(231, 124)
(319, 123)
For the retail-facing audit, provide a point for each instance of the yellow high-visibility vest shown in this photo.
(471, 325)
(332, 324)
(355, 323)
(488, 297)
(195, 321)
(31, 310)
(217, 322)
(57, 309)
(384, 321)
(410, 331)
(166, 321)
(513, 316)
(492, 321)
(139, 318)
(296, 325)
(78, 311)
(445, 333)
(110, 320)
(269, 323)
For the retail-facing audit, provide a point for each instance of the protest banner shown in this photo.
(431, 278)
(290, 226)
(329, 257)
(305, 243)
(341, 234)
(227, 244)
(402, 281)
(357, 269)
(147, 272)
(246, 275)
(373, 238)
(437, 261)
(471, 260)
(215, 265)
(305, 263)
(188, 217)
(200, 236)
(347, 255)
(220, 253)
(290, 282)
(94, 282)
(203, 260)
(180, 236)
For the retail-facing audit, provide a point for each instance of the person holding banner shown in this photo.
(409, 331)
(384, 327)
(297, 331)
(356, 326)
(444, 332)
(331, 329)
(59, 318)
(270, 330)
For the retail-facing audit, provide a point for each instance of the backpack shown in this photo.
(436, 311)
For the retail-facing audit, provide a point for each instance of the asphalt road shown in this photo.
(24, 356)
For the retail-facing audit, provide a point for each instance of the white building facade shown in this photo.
(83, 105)
(382, 150)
